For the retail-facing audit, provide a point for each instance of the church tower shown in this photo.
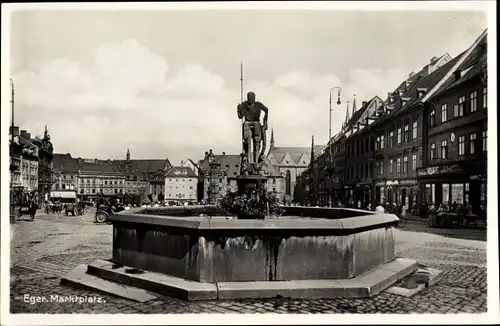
(271, 146)
(353, 106)
(128, 155)
(346, 115)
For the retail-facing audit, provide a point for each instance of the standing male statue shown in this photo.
(252, 128)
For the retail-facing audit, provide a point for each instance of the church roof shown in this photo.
(295, 153)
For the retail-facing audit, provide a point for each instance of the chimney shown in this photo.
(363, 103)
(223, 153)
(433, 60)
(182, 162)
(411, 75)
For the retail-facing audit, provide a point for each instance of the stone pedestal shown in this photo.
(247, 184)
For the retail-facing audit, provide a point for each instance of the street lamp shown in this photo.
(12, 166)
(339, 90)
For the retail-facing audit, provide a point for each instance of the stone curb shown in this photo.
(366, 285)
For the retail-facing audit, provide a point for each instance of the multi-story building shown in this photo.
(217, 176)
(359, 151)
(45, 167)
(386, 146)
(455, 134)
(180, 184)
(291, 162)
(28, 163)
(124, 179)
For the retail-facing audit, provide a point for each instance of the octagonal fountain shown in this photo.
(195, 253)
(248, 246)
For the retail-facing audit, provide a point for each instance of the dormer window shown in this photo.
(404, 100)
(401, 92)
(421, 92)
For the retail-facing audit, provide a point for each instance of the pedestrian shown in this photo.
(380, 209)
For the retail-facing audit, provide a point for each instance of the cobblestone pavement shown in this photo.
(44, 250)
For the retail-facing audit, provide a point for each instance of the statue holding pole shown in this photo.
(253, 131)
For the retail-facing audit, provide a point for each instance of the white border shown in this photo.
(492, 253)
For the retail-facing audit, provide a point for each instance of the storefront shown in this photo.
(454, 184)
(380, 193)
(402, 192)
(359, 194)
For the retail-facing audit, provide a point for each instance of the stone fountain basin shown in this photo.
(304, 244)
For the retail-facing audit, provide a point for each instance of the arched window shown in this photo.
(288, 181)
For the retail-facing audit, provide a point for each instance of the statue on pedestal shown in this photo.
(253, 131)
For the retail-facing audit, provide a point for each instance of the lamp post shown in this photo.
(12, 166)
(339, 90)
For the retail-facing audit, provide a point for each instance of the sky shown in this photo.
(165, 84)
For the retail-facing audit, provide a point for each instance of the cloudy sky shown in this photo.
(166, 83)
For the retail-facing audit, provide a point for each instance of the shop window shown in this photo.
(444, 113)
(446, 193)
(457, 193)
(472, 143)
(461, 145)
(473, 101)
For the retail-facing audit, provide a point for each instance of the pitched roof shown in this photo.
(64, 163)
(67, 164)
(148, 166)
(473, 65)
(295, 153)
(419, 80)
(180, 172)
(229, 163)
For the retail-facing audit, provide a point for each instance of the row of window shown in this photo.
(442, 151)
(459, 110)
(400, 135)
(170, 187)
(177, 179)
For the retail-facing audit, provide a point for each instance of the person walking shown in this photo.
(380, 209)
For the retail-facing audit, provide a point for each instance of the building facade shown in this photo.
(217, 176)
(129, 180)
(290, 162)
(45, 167)
(392, 152)
(180, 184)
(455, 159)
